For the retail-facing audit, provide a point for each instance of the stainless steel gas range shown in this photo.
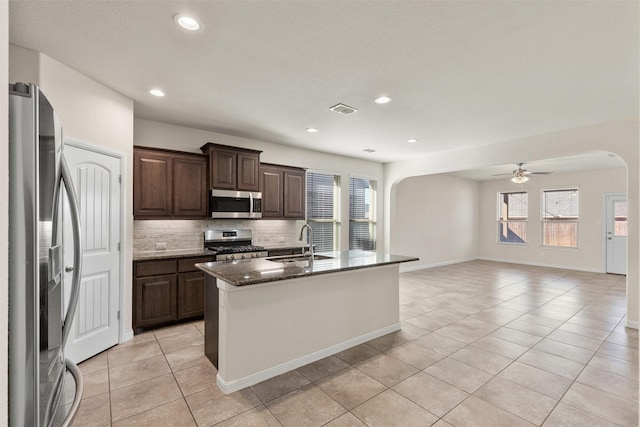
(228, 245)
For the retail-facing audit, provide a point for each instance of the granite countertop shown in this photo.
(151, 255)
(163, 254)
(261, 270)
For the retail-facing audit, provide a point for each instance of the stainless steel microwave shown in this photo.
(235, 204)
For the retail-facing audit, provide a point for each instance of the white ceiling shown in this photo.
(460, 73)
(588, 161)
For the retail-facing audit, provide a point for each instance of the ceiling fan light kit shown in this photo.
(519, 179)
(521, 175)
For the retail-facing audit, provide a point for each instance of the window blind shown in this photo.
(362, 218)
(323, 210)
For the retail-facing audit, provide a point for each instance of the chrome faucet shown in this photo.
(309, 237)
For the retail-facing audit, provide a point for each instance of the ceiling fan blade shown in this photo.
(502, 174)
(539, 173)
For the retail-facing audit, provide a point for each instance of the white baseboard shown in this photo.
(634, 325)
(228, 387)
(538, 264)
(128, 335)
(404, 268)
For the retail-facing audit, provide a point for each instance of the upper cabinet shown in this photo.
(283, 191)
(169, 184)
(233, 168)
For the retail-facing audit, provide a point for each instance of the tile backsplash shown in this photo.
(180, 235)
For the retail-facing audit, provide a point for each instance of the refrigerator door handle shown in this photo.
(77, 248)
(77, 376)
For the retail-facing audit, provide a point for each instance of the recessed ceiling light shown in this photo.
(156, 92)
(312, 130)
(382, 100)
(187, 22)
(411, 141)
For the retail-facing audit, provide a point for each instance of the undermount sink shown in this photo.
(296, 258)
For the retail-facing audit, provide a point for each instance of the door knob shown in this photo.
(68, 268)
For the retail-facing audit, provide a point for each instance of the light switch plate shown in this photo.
(280, 239)
(161, 245)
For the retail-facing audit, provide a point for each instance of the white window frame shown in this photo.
(336, 208)
(544, 220)
(372, 221)
(508, 220)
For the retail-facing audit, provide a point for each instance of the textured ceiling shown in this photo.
(460, 73)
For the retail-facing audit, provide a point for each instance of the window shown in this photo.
(323, 210)
(362, 214)
(512, 217)
(560, 218)
(620, 216)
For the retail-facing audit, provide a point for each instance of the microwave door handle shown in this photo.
(250, 205)
(77, 249)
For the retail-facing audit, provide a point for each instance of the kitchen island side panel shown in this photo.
(271, 325)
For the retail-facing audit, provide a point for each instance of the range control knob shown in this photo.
(243, 256)
(229, 257)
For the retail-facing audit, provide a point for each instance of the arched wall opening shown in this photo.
(620, 138)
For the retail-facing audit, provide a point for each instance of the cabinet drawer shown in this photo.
(154, 268)
(186, 265)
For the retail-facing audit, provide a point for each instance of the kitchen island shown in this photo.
(267, 316)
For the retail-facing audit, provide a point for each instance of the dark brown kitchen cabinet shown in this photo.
(233, 168)
(190, 295)
(156, 301)
(283, 191)
(190, 187)
(294, 193)
(272, 189)
(152, 183)
(167, 291)
(169, 184)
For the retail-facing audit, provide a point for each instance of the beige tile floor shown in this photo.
(482, 344)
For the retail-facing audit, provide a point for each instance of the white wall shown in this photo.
(620, 138)
(4, 206)
(590, 255)
(436, 220)
(162, 135)
(93, 114)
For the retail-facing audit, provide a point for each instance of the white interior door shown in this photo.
(617, 234)
(96, 177)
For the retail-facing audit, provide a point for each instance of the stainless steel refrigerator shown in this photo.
(39, 318)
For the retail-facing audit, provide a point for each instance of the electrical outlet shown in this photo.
(161, 245)
(280, 239)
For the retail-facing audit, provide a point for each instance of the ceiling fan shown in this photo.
(521, 175)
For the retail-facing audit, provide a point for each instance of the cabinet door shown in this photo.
(248, 172)
(272, 192)
(155, 300)
(190, 295)
(223, 169)
(152, 184)
(190, 187)
(294, 194)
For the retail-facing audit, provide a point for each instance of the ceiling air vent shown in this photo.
(343, 109)
(369, 150)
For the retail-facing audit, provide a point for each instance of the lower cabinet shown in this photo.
(190, 295)
(155, 298)
(167, 291)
